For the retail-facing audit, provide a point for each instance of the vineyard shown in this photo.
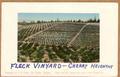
(58, 42)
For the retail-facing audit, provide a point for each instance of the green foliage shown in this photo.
(56, 53)
(89, 54)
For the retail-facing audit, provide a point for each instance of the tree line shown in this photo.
(57, 20)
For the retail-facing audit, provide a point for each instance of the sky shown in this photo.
(54, 16)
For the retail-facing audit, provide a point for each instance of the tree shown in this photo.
(98, 20)
(95, 20)
(73, 20)
(51, 21)
(38, 21)
(79, 20)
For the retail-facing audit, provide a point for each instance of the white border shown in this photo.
(108, 35)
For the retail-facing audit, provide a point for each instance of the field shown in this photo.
(58, 42)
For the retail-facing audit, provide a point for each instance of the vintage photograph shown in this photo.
(58, 37)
